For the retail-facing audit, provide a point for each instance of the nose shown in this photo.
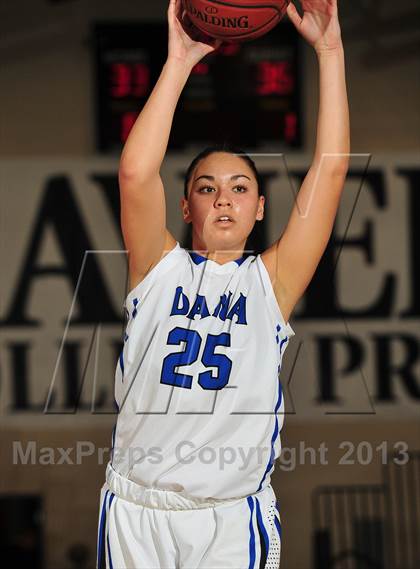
(222, 199)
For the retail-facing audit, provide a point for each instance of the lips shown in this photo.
(224, 219)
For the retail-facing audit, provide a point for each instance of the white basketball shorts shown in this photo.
(147, 528)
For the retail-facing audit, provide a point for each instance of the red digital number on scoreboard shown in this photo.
(129, 80)
(274, 78)
(290, 126)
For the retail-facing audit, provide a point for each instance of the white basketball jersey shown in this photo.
(197, 383)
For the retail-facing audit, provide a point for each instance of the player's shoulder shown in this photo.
(171, 250)
(170, 246)
(268, 257)
(171, 257)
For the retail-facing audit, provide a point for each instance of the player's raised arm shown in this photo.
(295, 256)
(143, 215)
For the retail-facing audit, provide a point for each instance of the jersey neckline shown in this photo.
(198, 259)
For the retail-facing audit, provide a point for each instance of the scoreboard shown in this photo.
(248, 94)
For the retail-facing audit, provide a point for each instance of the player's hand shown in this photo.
(186, 42)
(319, 24)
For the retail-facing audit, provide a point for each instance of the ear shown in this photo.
(260, 211)
(185, 210)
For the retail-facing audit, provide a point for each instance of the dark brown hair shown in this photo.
(225, 147)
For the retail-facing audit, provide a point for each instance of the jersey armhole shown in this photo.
(271, 297)
(165, 261)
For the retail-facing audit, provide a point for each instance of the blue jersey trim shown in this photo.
(273, 438)
(121, 360)
(282, 342)
(135, 303)
(113, 442)
(101, 548)
(263, 532)
(278, 526)
(197, 258)
(111, 566)
(251, 534)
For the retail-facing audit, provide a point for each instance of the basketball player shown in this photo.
(200, 403)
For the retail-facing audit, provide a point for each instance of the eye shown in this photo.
(238, 189)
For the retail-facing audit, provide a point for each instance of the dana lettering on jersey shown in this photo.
(220, 21)
(181, 307)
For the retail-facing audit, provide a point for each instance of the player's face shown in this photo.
(222, 185)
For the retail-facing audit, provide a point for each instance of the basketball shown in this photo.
(235, 20)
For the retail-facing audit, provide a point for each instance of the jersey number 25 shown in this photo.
(189, 355)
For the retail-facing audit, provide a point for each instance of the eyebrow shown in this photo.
(234, 177)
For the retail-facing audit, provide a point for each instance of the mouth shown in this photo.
(224, 220)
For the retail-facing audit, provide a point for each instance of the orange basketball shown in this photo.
(236, 20)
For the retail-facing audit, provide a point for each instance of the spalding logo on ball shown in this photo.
(237, 20)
